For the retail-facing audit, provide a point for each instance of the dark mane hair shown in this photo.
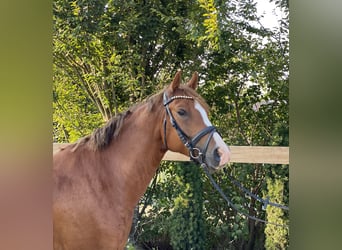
(103, 136)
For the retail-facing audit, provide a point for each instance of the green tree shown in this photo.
(247, 88)
(119, 52)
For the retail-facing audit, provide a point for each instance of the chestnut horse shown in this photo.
(99, 179)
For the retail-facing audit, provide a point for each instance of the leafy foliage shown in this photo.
(187, 228)
(109, 54)
(276, 237)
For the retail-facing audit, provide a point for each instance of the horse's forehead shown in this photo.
(195, 95)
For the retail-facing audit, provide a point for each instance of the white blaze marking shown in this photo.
(222, 147)
(200, 109)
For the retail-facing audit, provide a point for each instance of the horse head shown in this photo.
(187, 128)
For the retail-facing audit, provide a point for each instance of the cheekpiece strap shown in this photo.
(182, 135)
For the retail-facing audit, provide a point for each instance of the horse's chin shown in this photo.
(213, 165)
(216, 169)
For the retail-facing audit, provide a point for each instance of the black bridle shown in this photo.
(196, 154)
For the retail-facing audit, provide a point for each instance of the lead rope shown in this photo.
(265, 202)
(230, 203)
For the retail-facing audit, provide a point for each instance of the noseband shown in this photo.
(195, 153)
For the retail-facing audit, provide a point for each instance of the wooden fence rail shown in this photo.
(239, 154)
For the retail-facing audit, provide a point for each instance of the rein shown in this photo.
(198, 156)
(230, 203)
(265, 202)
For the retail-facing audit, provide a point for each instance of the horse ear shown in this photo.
(193, 83)
(176, 81)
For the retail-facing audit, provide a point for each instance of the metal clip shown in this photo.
(266, 202)
(195, 153)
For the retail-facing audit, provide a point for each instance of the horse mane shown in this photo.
(103, 136)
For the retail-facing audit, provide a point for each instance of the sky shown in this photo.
(270, 13)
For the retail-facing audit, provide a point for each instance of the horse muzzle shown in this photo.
(219, 156)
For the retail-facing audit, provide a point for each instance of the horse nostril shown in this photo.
(217, 155)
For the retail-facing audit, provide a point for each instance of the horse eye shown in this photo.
(181, 112)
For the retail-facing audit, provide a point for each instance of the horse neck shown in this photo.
(138, 150)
